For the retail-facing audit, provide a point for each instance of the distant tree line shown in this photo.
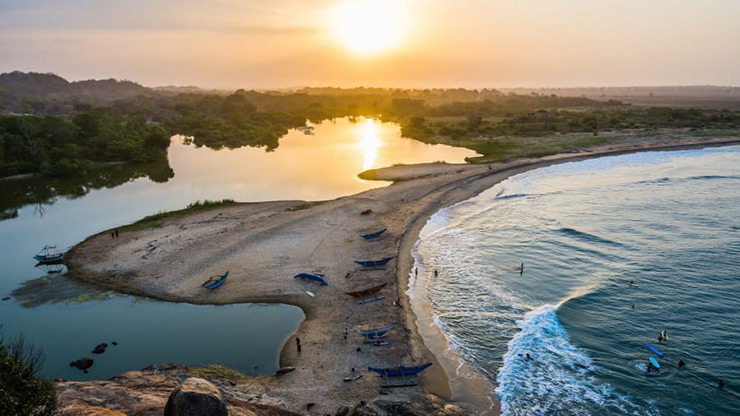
(57, 128)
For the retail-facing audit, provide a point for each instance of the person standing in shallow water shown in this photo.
(298, 344)
(521, 270)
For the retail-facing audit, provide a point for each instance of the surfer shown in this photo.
(529, 357)
(521, 269)
(681, 363)
(435, 273)
(665, 335)
(721, 384)
(660, 337)
(651, 367)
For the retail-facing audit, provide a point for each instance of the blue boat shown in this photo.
(215, 281)
(373, 263)
(401, 370)
(49, 255)
(314, 277)
(373, 235)
(655, 350)
(376, 333)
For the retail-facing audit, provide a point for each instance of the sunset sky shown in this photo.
(392, 43)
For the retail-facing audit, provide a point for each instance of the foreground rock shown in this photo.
(146, 393)
(194, 397)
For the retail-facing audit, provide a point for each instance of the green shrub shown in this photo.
(21, 392)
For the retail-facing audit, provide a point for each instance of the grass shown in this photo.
(155, 220)
(218, 371)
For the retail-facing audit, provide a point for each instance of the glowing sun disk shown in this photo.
(366, 26)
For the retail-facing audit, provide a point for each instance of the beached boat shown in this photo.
(401, 370)
(314, 277)
(376, 333)
(366, 292)
(49, 255)
(373, 263)
(373, 235)
(215, 281)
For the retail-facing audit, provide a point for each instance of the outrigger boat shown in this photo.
(401, 370)
(373, 235)
(373, 263)
(314, 277)
(49, 255)
(376, 333)
(215, 281)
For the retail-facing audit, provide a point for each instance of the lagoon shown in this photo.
(67, 319)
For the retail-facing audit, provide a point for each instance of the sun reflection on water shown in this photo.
(369, 143)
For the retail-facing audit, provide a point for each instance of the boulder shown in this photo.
(100, 348)
(396, 408)
(195, 396)
(83, 363)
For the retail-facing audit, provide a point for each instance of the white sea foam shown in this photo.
(558, 379)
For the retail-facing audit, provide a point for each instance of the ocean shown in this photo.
(667, 221)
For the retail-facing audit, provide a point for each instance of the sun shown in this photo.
(368, 27)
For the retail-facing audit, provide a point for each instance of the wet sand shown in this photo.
(263, 245)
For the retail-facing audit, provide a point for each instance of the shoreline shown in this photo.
(319, 240)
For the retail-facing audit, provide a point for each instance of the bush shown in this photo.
(21, 392)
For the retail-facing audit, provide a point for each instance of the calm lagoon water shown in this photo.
(670, 221)
(67, 319)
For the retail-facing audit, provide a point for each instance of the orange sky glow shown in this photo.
(401, 43)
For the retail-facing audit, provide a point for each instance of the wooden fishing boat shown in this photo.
(373, 263)
(49, 255)
(376, 333)
(401, 370)
(366, 292)
(373, 235)
(314, 277)
(215, 281)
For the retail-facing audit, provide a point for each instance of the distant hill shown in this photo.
(32, 92)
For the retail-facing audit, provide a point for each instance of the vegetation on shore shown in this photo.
(56, 128)
(155, 220)
(21, 391)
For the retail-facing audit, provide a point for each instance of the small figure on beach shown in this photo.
(116, 233)
(521, 269)
(344, 334)
(298, 344)
(681, 363)
(347, 276)
(112, 234)
(435, 273)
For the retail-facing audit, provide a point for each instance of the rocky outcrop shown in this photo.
(146, 392)
(195, 397)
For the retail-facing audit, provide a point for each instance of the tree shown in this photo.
(21, 392)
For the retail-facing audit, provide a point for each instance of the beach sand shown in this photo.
(263, 245)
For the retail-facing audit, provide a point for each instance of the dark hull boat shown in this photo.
(401, 370)
(366, 292)
(314, 277)
(373, 235)
(373, 263)
(216, 281)
(49, 255)
(376, 333)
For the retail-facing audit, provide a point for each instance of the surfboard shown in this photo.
(655, 350)
(655, 363)
(310, 293)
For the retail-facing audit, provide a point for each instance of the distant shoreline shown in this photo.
(265, 244)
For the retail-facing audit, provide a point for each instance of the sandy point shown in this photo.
(263, 245)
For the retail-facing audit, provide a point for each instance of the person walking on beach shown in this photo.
(298, 344)
(344, 334)
(435, 273)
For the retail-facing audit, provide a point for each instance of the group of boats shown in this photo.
(372, 335)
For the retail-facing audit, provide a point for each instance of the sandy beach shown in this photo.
(263, 245)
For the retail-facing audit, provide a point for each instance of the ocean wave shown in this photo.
(558, 379)
(591, 238)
